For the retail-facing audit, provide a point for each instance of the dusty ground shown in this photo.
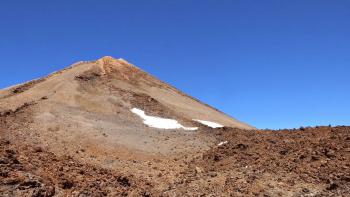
(72, 134)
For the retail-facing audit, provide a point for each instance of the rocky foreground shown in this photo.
(304, 162)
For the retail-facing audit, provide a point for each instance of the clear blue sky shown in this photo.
(272, 64)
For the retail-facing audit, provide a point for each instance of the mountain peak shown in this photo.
(107, 60)
(109, 63)
(107, 57)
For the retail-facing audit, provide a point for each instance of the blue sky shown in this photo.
(272, 64)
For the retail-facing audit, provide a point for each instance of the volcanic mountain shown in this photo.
(107, 128)
(90, 100)
(109, 107)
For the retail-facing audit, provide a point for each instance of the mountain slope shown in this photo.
(106, 128)
(109, 77)
(85, 112)
(90, 100)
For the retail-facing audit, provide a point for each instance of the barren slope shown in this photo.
(109, 77)
(84, 111)
(73, 134)
(89, 101)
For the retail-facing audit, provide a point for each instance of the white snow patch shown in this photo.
(160, 123)
(222, 143)
(209, 124)
(190, 128)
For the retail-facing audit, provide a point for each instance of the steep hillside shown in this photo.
(89, 105)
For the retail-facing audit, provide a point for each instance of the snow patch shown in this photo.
(222, 143)
(190, 128)
(209, 123)
(160, 123)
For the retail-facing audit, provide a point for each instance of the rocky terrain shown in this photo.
(306, 162)
(73, 133)
(310, 162)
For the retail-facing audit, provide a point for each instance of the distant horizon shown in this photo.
(269, 64)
